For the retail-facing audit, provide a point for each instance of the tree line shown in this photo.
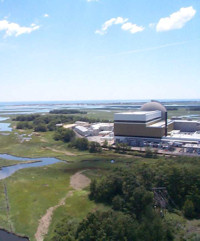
(43, 123)
(67, 111)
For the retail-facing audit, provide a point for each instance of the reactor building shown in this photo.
(151, 124)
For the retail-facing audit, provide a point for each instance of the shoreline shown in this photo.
(20, 162)
(17, 235)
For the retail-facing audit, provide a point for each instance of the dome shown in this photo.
(154, 105)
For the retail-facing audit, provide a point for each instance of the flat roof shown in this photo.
(81, 128)
(187, 121)
(137, 116)
(160, 123)
(184, 136)
(139, 112)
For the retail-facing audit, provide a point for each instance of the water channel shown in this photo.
(8, 171)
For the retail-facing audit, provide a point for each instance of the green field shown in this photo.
(32, 191)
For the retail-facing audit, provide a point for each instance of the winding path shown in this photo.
(78, 181)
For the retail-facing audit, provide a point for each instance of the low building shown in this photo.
(99, 127)
(186, 125)
(81, 130)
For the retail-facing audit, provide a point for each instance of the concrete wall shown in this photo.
(139, 130)
(170, 127)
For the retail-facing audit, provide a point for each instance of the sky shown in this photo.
(99, 49)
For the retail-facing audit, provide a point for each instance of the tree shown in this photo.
(24, 125)
(65, 230)
(81, 144)
(65, 135)
(110, 225)
(148, 153)
(122, 147)
(153, 228)
(118, 203)
(40, 128)
(94, 147)
(105, 144)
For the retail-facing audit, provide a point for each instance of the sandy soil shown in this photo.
(69, 126)
(78, 181)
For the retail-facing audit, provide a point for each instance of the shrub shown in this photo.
(188, 209)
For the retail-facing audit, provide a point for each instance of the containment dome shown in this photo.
(154, 105)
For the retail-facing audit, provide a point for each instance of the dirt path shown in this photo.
(58, 151)
(45, 221)
(78, 181)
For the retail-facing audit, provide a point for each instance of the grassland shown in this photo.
(32, 191)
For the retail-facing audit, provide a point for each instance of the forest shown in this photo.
(134, 212)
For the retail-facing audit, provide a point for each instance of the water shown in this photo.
(5, 127)
(3, 118)
(8, 171)
(5, 236)
(45, 106)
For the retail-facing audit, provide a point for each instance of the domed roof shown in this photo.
(154, 105)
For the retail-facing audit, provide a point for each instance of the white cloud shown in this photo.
(14, 29)
(127, 26)
(176, 20)
(133, 28)
(92, 0)
(46, 15)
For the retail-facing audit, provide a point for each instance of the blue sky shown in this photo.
(93, 50)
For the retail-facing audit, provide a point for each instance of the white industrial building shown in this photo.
(85, 129)
(81, 130)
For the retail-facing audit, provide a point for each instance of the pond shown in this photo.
(8, 171)
(4, 126)
(5, 236)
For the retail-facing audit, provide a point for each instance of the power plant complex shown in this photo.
(150, 124)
